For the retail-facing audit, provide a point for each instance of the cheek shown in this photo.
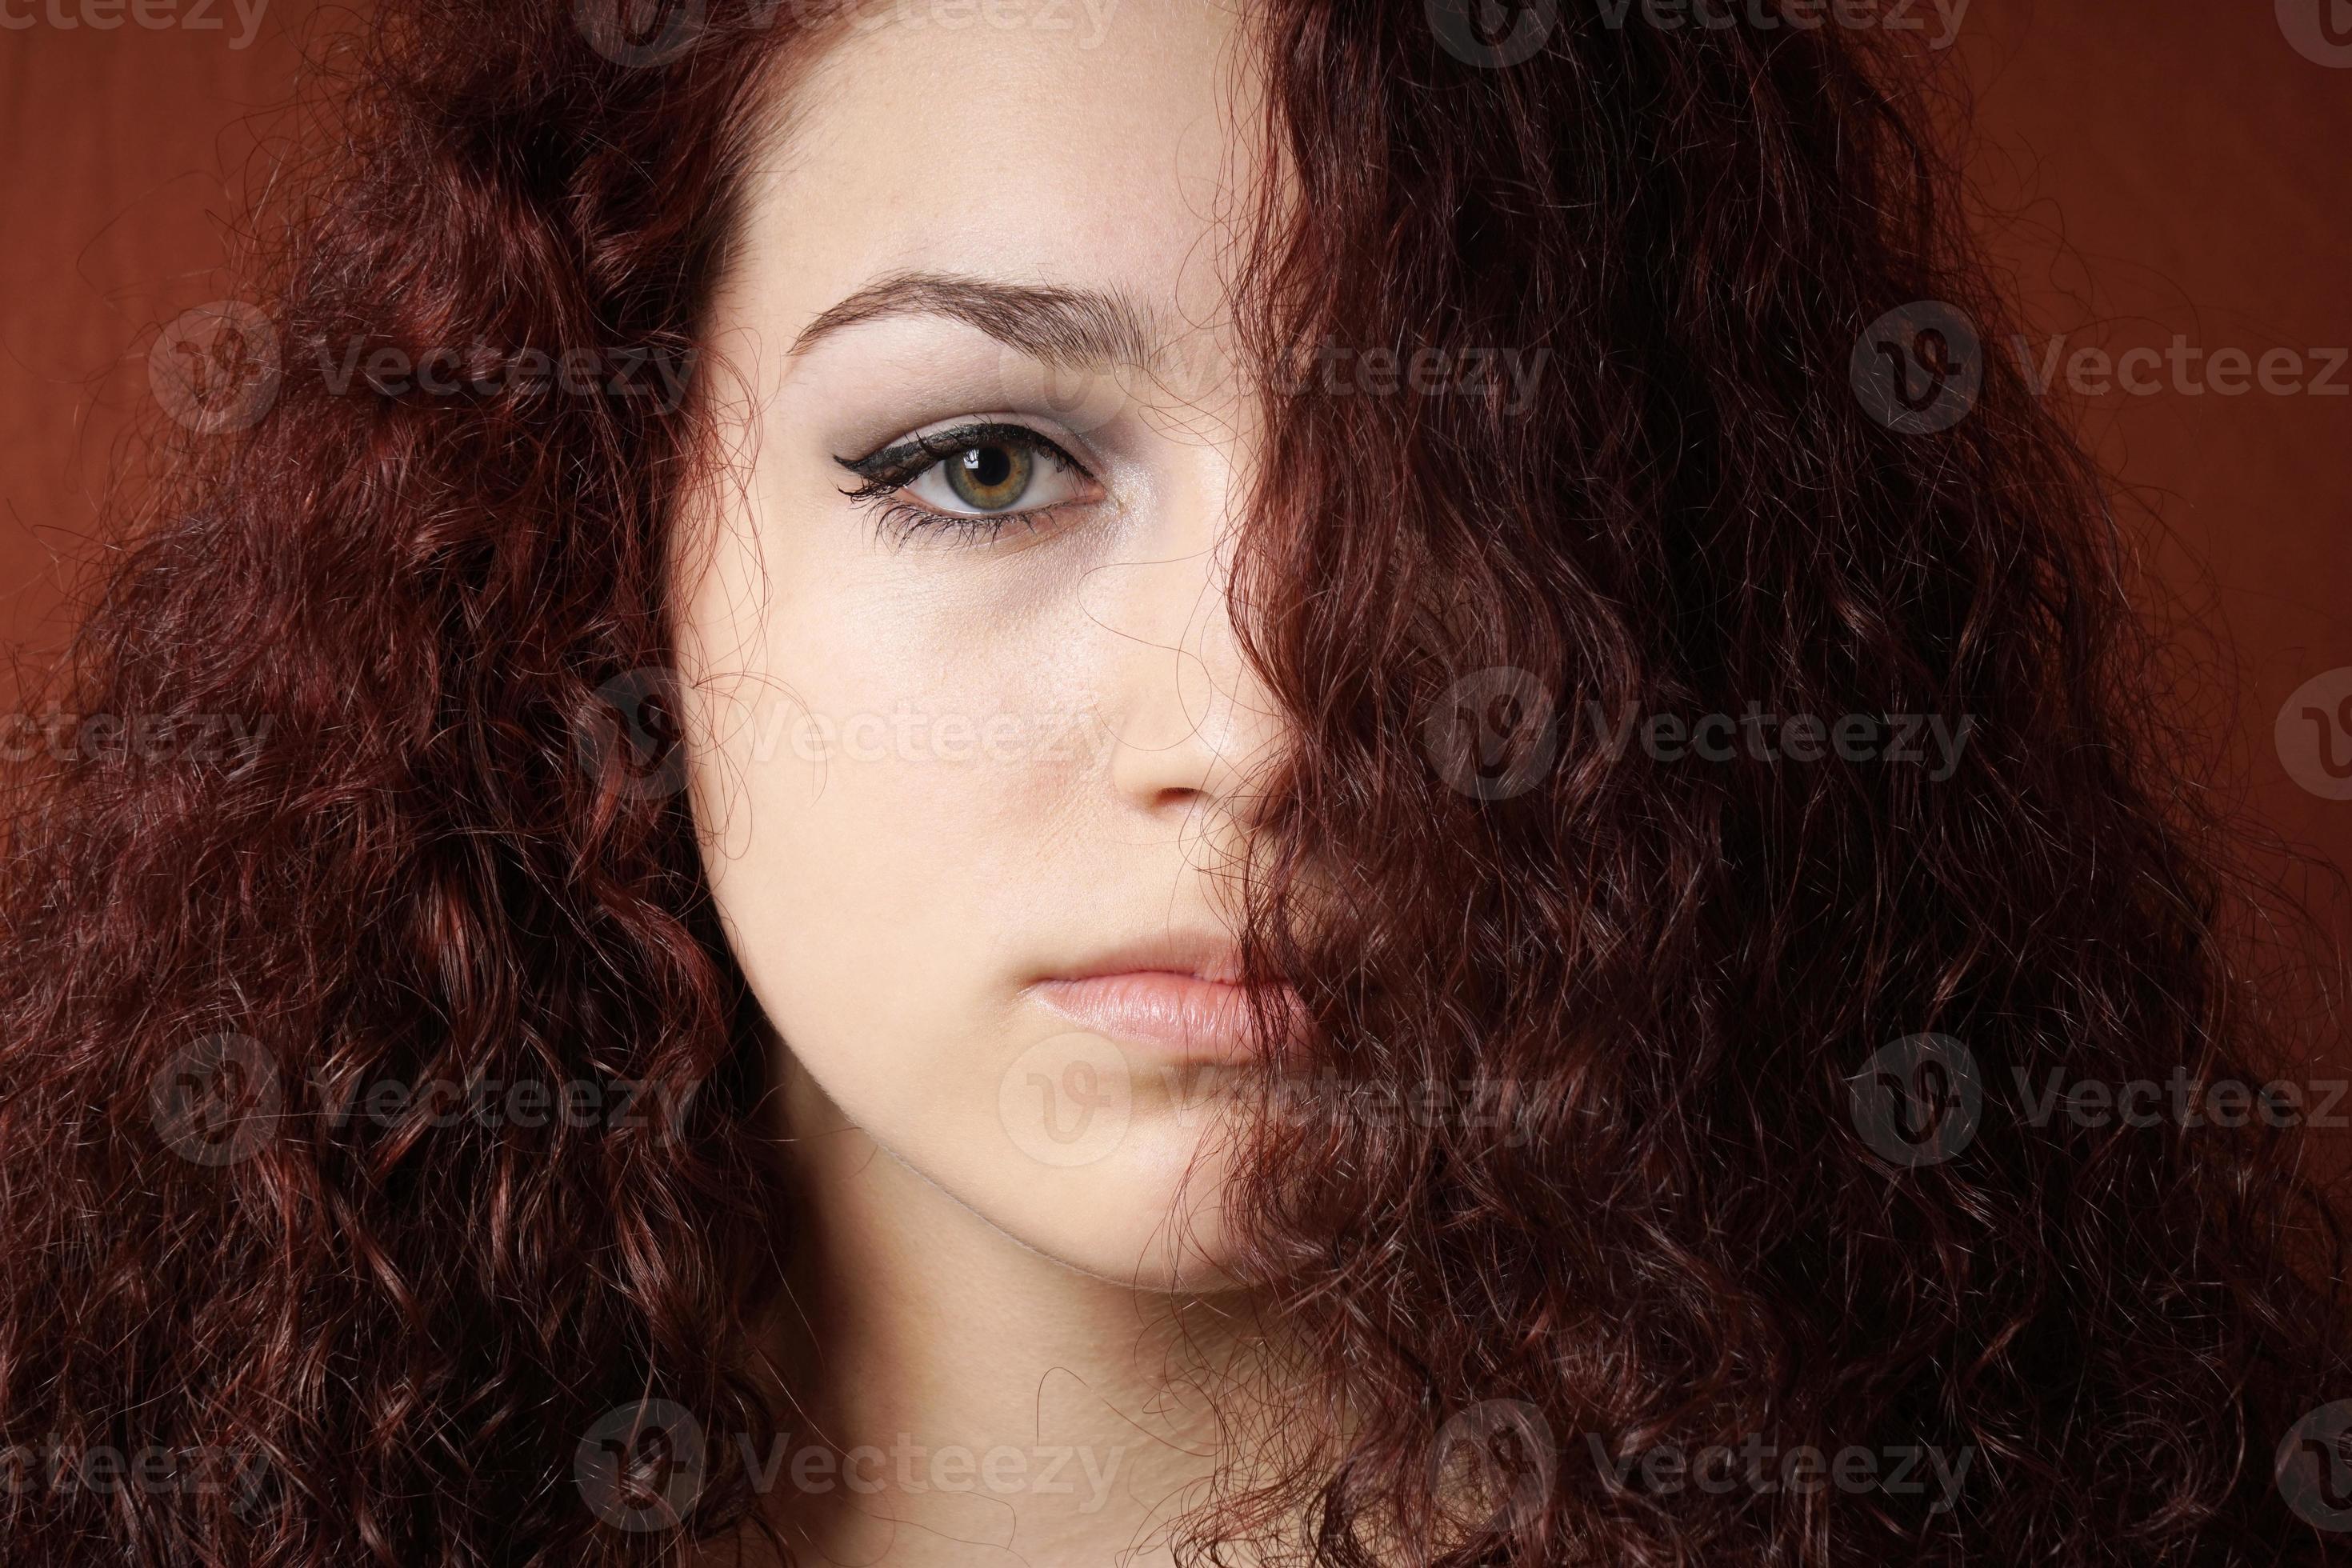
(884, 774)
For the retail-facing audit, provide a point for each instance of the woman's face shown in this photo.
(968, 747)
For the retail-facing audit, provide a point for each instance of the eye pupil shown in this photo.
(991, 478)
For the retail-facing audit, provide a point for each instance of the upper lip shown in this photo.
(1198, 954)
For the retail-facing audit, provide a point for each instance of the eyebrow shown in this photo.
(1070, 327)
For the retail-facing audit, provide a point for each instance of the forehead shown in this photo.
(1105, 147)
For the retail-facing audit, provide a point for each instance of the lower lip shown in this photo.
(1181, 1013)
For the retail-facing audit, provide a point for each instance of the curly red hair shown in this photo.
(430, 866)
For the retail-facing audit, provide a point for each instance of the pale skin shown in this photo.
(936, 769)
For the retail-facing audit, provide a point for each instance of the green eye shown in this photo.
(991, 478)
(982, 473)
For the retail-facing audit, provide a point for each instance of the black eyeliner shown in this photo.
(898, 463)
(889, 469)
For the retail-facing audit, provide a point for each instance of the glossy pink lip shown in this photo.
(1194, 1017)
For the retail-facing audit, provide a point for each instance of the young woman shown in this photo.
(898, 783)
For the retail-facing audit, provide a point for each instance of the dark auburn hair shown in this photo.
(433, 866)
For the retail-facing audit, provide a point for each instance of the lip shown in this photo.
(1176, 994)
(1199, 953)
(1207, 1019)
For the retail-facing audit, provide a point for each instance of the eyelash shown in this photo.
(890, 469)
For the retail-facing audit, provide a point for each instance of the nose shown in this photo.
(1194, 726)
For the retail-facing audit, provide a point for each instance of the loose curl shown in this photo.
(441, 865)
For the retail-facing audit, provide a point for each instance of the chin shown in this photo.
(1126, 1225)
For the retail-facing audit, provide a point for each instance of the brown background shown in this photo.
(2171, 167)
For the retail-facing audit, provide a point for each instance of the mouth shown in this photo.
(1183, 997)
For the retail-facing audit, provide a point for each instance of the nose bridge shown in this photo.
(1193, 720)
